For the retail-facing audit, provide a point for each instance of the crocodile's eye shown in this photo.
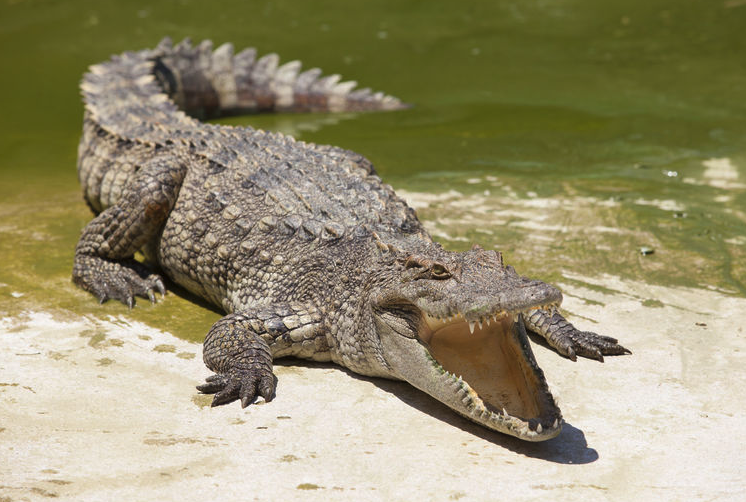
(438, 271)
(422, 268)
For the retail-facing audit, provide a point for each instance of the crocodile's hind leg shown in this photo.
(104, 263)
(240, 347)
(570, 341)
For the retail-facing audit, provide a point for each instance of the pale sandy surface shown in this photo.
(106, 410)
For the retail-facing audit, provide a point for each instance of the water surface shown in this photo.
(568, 134)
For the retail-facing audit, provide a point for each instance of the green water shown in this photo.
(569, 134)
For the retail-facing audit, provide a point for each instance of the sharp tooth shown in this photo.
(505, 412)
(480, 323)
(539, 428)
(487, 320)
(471, 326)
(556, 423)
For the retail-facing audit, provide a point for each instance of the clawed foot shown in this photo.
(245, 385)
(121, 281)
(588, 344)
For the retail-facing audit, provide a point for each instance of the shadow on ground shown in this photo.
(570, 447)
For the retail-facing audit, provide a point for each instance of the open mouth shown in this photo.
(491, 363)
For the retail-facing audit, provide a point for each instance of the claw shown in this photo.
(116, 280)
(267, 389)
(589, 345)
(597, 346)
(240, 385)
(617, 349)
(247, 393)
(218, 400)
(160, 287)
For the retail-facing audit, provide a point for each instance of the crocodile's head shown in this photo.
(451, 325)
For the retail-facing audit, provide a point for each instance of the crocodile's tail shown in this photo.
(206, 83)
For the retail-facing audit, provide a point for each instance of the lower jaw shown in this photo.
(503, 388)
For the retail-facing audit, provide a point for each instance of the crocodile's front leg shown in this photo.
(240, 347)
(568, 340)
(104, 263)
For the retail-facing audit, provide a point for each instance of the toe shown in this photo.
(248, 392)
(267, 388)
(227, 395)
(212, 385)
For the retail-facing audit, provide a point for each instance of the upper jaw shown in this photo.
(478, 306)
(477, 320)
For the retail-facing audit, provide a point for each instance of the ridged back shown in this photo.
(139, 104)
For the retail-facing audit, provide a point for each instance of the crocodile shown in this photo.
(302, 245)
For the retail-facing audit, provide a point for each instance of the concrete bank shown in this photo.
(95, 409)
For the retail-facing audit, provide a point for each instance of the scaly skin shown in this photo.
(306, 250)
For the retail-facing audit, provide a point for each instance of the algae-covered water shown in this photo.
(578, 137)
